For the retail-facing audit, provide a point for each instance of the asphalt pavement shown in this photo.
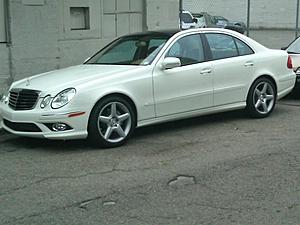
(219, 169)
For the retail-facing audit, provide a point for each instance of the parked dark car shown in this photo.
(204, 19)
(232, 25)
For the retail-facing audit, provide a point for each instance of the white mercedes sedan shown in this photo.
(148, 78)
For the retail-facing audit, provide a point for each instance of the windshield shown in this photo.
(130, 50)
(186, 18)
(294, 47)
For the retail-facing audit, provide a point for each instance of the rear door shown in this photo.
(232, 63)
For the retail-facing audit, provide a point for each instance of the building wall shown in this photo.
(264, 13)
(162, 14)
(45, 34)
(4, 67)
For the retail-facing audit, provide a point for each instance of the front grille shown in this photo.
(22, 127)
(23, 99)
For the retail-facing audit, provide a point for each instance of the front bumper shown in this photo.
(21, 122)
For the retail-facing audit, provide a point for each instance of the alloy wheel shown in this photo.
(264, 97)
(114, 122)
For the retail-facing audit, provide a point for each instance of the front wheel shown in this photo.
(111, 123)
(261, 98)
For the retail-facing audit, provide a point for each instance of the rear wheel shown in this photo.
(112, 122)
(261, 98)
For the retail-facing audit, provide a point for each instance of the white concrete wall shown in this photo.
(2, 22)
(4, 67)
(42, 39)
(162, 14)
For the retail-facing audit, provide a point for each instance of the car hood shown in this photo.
(71, 77)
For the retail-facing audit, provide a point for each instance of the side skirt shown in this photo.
(189, 114)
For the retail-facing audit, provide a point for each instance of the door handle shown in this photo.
(206, 71)
(247, 64)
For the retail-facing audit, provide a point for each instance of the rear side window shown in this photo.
(222, 46)
(243, 48)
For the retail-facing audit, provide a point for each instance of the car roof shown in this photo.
(169, 33)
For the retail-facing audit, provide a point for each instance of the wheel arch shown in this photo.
(271, 78)
(121, 95)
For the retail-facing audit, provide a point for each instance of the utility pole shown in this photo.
(248, 17)
(297, 19)
(180, 13)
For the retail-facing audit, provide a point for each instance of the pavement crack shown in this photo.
(182, 180)
(231, 209)
(45, 179)
(80, 204)
(85, 203)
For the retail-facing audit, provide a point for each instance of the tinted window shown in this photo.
(130, 50)
(122, 53)
(187, 18)
(154, 44)
(243, 48)
(188, 49)
(221, 46)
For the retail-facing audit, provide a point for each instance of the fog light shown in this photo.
(59, 127)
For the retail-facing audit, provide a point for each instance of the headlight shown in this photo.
(46, 101)
(63, 98)
(4, 97)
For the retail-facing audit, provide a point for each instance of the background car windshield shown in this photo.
(294, 47)
(133, 50)
(186, 18)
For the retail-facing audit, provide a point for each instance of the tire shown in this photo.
(261, 98)
(112, 122)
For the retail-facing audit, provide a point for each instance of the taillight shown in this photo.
(290, 63)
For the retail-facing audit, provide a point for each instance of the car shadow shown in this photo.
(189, 123)
(294, 95)
(58, 146)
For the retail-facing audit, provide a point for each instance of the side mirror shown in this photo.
(195, 20)
(170, 63)
(284, 48)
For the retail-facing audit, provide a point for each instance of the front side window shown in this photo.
(131, 50)
(222, 46)
(188, 49)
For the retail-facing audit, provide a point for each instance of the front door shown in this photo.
(185, 88)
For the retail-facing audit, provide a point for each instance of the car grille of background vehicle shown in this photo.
(23, 99)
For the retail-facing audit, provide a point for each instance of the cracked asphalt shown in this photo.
(219, 169)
